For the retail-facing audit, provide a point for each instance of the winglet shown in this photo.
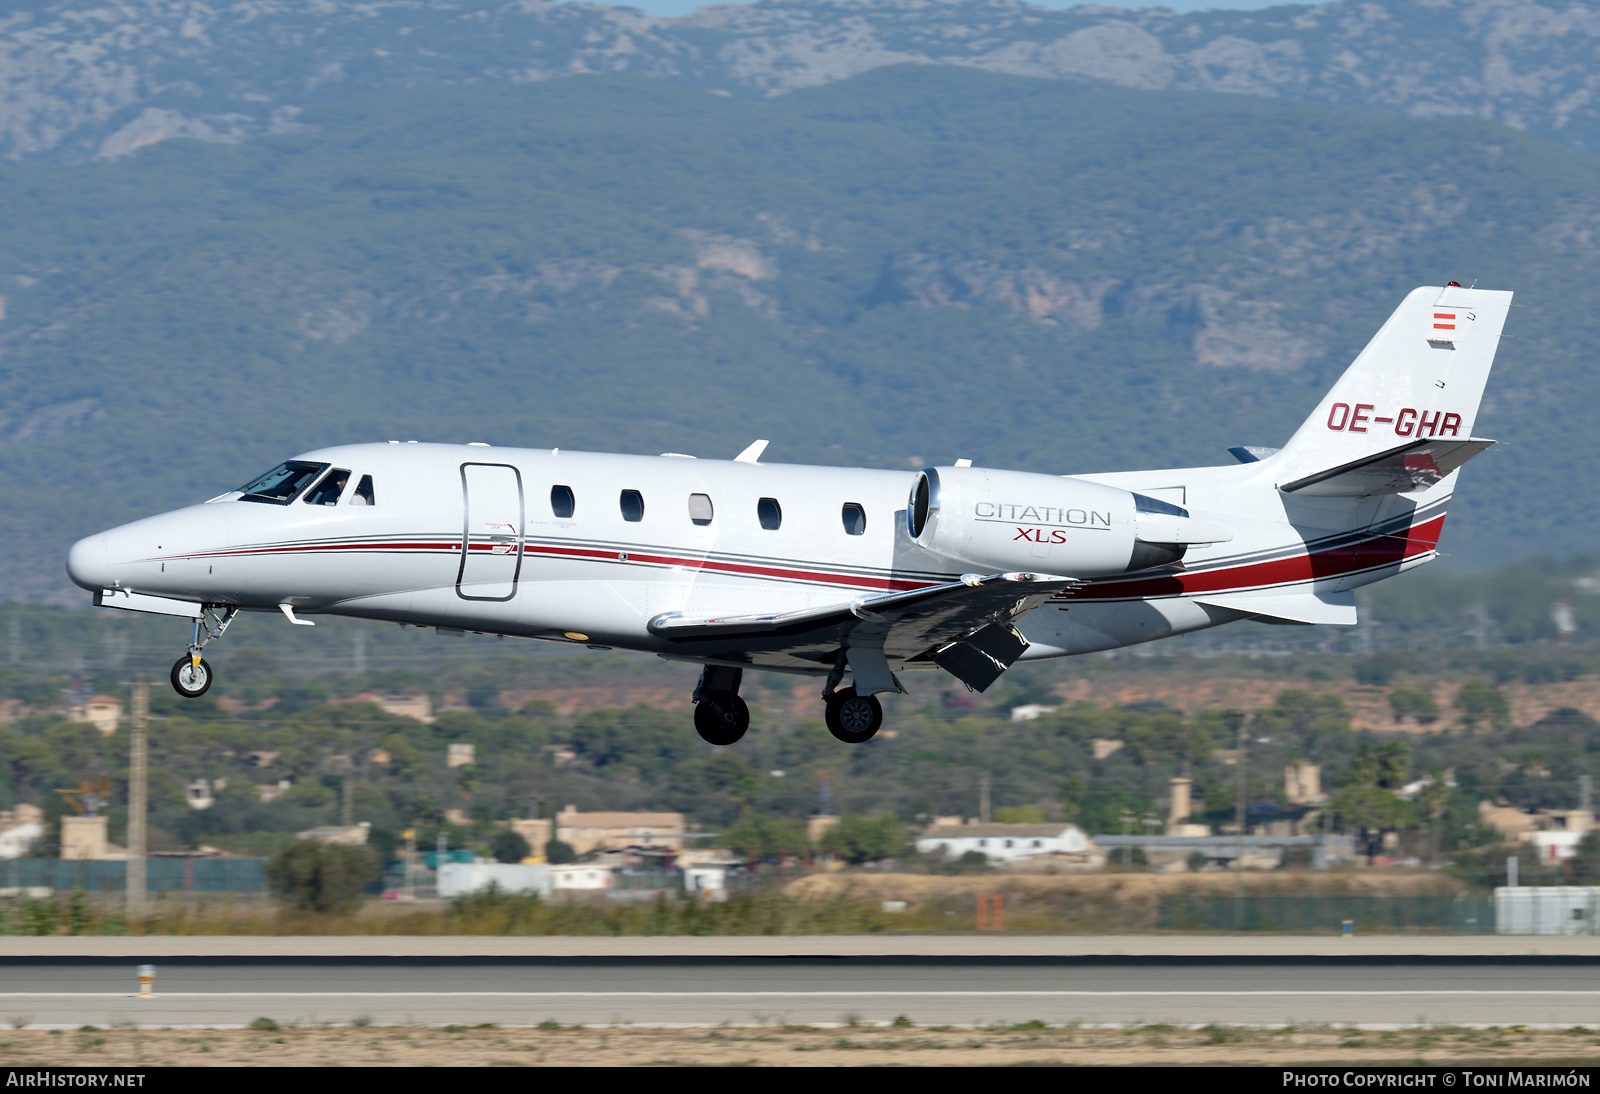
(751, 454)
(288, 611)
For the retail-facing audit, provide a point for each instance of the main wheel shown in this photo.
(721, 718)
(189, 680)
(853, 718)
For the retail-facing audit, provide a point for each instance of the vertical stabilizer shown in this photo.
(1421, 376)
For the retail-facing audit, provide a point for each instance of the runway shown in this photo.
(1367, 991)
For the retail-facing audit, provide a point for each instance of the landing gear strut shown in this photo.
(191, 673)
(720, 716)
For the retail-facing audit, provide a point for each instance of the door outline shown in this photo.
(466, 532)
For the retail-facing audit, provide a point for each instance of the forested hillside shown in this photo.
(920, 264)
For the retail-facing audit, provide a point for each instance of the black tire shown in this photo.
(853, 718)
(186, 682)
(721, 718)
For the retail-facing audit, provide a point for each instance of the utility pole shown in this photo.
(983, 798)
(347, 815)
(138, 798)
(1241, 785)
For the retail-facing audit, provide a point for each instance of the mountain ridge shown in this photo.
(84, 79)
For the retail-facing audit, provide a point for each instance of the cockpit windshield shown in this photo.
(281, 485)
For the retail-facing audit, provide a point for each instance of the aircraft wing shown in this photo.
(963, 626)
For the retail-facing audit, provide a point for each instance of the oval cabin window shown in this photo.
(632, 505)
(700, 509)
(562, 502)
(855, 519)
(770, 514)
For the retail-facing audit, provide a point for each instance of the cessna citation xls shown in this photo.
(832, 572)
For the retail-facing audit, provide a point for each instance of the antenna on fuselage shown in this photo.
(751, 454)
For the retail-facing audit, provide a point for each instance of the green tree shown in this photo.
(1480, 702)
(757, 836)
(509, 846)
(558, 852)
(1411, 703)
(1369, 812)
(858, 839)
(315, 876)
(1586, 859)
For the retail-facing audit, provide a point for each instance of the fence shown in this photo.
(1466, 913)
(162, 875)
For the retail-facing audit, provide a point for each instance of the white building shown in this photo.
(1556, 846)
(580, 876)
(1003, 842)
(1547, 909)
(459, 878)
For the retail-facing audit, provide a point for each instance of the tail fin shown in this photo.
(1421, 376)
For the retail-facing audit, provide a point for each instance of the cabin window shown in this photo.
(700, 509)
(562, 502)
(327, 491)
(770, 514)
(363, 494)
(632, 505)
(283, 483)
(854, 517)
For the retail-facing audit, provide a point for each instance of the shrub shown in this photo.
(314, 876)
(557, 852)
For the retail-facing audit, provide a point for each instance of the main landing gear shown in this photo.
(720, 716)
(853, 718)
(191, 673)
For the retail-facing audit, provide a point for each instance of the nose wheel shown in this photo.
(191, 676)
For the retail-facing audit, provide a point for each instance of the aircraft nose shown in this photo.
(88, 563)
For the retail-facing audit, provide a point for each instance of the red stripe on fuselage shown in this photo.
(1366, 555)
(1371, 553)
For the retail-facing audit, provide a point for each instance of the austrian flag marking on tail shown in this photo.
(1444, 320)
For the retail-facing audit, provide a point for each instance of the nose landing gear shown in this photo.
(720, 716)
(191, 674)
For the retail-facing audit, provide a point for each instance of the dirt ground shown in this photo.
(775, 1045)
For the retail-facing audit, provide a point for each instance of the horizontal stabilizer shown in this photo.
(1337, 609)
(1415, 465)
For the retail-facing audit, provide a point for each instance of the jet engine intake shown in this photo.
(988, 520)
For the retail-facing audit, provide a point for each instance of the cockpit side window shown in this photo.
(363, 494)
(328, 491)
(283, 483)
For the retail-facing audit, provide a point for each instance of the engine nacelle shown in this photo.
(1014, 520)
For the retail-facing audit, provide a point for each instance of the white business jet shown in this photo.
(836, 573)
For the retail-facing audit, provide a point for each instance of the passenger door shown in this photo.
(491, 537)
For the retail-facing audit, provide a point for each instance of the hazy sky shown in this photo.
(684, 7)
